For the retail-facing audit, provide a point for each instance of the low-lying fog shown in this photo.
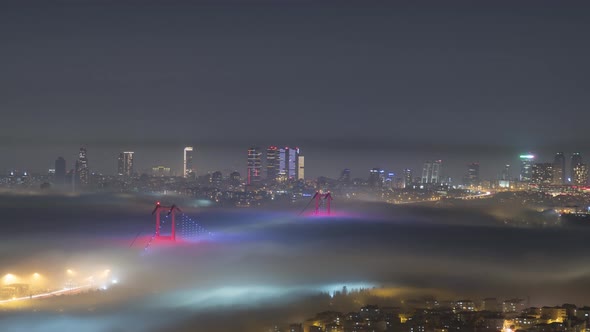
(263, 266)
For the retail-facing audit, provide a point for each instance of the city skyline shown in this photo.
(455, 168)
(489, 97)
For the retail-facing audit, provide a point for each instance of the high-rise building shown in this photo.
(559, 168)
(288, 163)
(301, 168)
(272, 163)
(472, 177)
(526, 167)
(375, 177)
(254, 165)
(60, 170)
(82, 170)
(542, 173)
(580, 175)
(407, 177)
(505, 174)
(575, 161)
(431, 172)
(187, 168)
(125, 164)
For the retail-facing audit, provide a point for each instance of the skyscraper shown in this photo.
(505, 174)
(125, 164)
(472, 177)
(431, 171)
(580, 175)
(187, 168)
(559, 168)
(272, 163)
(82, 171)
(407, 177)
(301, 168)
(526, 167)
(60, 170)
(575, 161)
(288, 163)
(542, 173)
(375, 177)
(254, 165)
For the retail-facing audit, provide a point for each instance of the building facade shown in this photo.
(187, 164)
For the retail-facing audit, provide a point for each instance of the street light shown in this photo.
(9, 278)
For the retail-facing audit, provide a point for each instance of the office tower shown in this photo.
(407, 177)
(542, 173)
(125, 164)
(301, 168)
(292, 163)
(82, 171)
(505, 174)
(288, 163)
(580, 175)
(272, 163)
(187, 168)
(431, 172)
(344, 176)
(472, 177)
(526, 167)
(575, 161)
(60, 170)
(426, 170)
(254, 165)
(559, 168)
(374, 177)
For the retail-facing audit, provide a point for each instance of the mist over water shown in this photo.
(260, 265)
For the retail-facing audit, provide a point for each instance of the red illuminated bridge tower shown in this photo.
(319, 197)
(171, 211)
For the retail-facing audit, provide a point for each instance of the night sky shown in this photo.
(357, 85)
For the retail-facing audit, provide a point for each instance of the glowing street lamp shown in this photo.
(9, 278)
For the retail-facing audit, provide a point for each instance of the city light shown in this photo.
(9, 278)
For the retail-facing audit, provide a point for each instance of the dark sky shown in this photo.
(357, 84)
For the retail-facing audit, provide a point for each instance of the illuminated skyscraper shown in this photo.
(254, 165)
(301, 168)
(60, 170)
(125, 164)
(187, 168)
(431, 172)
(407, 177)
(272, 163)
(542, 173)
(288, 163)
(526, 167)
(505, 174)
(82, 171)
(580, 175)
(575, 161)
